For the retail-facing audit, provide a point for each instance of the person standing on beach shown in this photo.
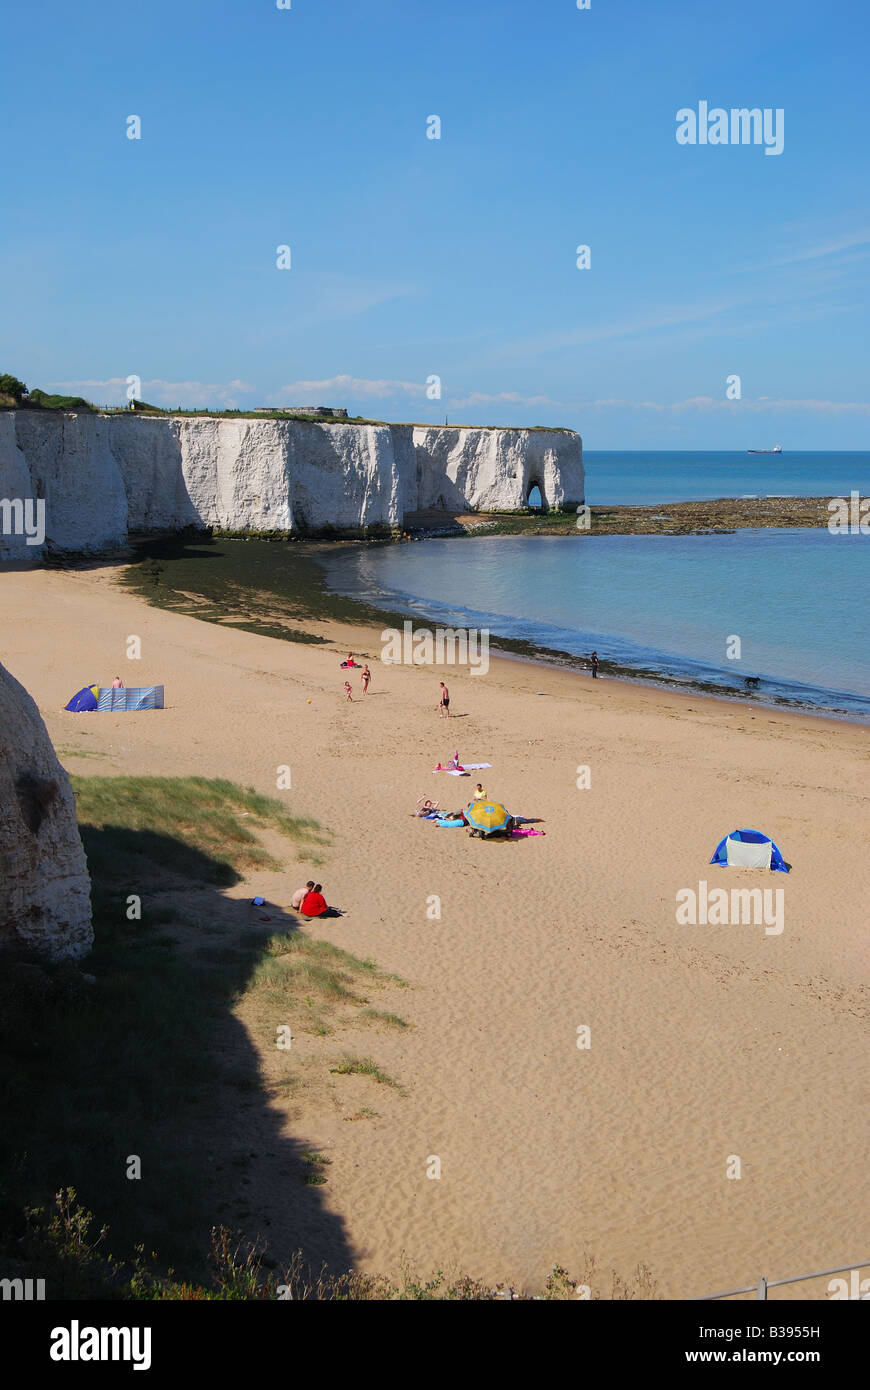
(365, 678)
(444, 703)
(595, 664)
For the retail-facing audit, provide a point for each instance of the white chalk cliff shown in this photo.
(103, 477)
(45, 905)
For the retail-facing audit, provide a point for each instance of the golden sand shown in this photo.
(707, 1042)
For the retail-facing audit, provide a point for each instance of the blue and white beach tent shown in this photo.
(749, 849)
(92, 697)
(133, 697)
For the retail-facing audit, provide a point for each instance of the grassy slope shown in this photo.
(148, 1058)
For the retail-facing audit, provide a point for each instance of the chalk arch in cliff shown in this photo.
(536, 498)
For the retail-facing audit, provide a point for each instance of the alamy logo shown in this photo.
(22, 1289)
(849, 517)
(742, 907)
(75, 1343)
(23, 518)
(740, 126)
(856, 1288)
(447, 646)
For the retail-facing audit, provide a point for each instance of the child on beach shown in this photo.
(348, 690)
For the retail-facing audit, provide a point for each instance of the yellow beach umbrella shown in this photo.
(487, 816)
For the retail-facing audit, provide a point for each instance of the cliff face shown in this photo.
(45, 902)
(103, 476)
(484, 470)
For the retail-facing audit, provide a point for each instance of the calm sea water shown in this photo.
(799, 600)
(647, 478)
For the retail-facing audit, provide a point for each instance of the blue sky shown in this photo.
(456, 258)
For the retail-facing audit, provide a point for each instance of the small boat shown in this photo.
(777, 449)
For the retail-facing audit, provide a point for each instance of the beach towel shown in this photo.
(462, 771)
(448, 824)
(527, 830)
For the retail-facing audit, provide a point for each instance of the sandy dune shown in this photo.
(706, 1041)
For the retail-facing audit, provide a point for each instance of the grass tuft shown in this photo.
(363, 1066)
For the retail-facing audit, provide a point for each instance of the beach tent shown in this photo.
(85, 699)
(489, 818)
(92, 697)
(749, 849)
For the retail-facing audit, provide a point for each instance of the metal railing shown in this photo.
(760, 1289)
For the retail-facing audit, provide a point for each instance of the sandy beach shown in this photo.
(706, 1041)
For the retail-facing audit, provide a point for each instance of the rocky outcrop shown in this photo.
(45, 904)
(101, 477)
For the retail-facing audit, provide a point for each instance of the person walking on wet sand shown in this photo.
(365, 678)
(444, 702)
(595, 665)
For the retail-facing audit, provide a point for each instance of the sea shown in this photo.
(780, 616)
(643, 479)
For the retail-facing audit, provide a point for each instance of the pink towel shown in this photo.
(527, 830)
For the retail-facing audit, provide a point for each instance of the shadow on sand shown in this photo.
(143, 1058)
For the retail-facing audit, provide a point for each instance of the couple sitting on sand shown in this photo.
(310, 902)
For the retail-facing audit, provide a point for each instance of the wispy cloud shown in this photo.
(501, 398)
(656, 319)
(816, 253)
(707, 404)
(334, 390)
(113, 391)
(355, 387)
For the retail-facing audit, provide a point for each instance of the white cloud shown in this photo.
(501, 398)
(358, 388)
(113, 391)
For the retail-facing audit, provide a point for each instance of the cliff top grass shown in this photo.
(77, 404)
